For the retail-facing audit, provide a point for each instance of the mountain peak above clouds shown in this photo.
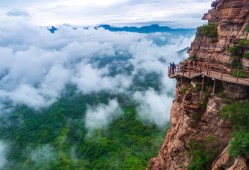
(154, 28)
(144, 29)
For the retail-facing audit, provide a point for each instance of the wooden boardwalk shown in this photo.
(211, 71)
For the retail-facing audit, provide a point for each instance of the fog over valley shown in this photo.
(72, 85)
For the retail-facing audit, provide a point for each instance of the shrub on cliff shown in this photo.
(244, 43)
(239, 145)
(183, 90)
(209, 30)
(234, 50)
(238, 51)
(201, 155)
(193, 58)
(238, 114)
(240, 74)
(246, 55)
(236, 65)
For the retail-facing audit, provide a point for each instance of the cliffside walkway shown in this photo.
(213, 71)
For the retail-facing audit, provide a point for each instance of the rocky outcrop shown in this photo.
(224, 161)
(194, 116)
(189, 124)
(245, 63)
(232, 19)
(235, 91)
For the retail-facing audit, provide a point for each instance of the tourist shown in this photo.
(173, 68)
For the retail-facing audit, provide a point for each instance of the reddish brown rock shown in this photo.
(187, 122)
(245, 63)
(224, 161)
(232, 17)
(185, 127)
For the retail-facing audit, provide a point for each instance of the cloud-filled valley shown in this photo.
(37, 67)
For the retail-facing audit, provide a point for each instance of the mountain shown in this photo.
(146, 29)
(52, 29)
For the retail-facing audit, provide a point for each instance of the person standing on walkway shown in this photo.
(173, 68)
(170, 68)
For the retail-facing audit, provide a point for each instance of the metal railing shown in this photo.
(209, 70)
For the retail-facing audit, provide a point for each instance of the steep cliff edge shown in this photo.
(197, 130)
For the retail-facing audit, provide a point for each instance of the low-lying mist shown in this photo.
(37, 65)
(108, 73)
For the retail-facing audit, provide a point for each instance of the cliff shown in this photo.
(196, 125)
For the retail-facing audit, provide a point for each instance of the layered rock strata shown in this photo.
(189, 120)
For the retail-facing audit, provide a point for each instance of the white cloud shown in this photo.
(44, 95)
(102, 115)
(3, 152)
(36, 65)
(177, 13)
(25, 94)
(55, 81)
(154, 107)
(43, 155)
(90, 79)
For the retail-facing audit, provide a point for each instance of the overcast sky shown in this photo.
(176, 13)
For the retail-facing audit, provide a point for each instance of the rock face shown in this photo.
(226, 162)
(190, 120)
(188, 124)
(234, 91)
(232, 18)
(245, 63)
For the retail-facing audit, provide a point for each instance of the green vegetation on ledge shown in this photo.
(234, 50)
(202, 155)
(244, 43)
(209, 30)
(246, 55)
(240, 74)
(238, 114)
(239, 50)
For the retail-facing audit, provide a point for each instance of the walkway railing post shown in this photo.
(214, 86)
(203, 81)
(202, 86)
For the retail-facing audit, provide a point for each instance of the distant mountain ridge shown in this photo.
(145, 29)
(52, 29)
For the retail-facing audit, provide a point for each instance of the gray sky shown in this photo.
(177, 13)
